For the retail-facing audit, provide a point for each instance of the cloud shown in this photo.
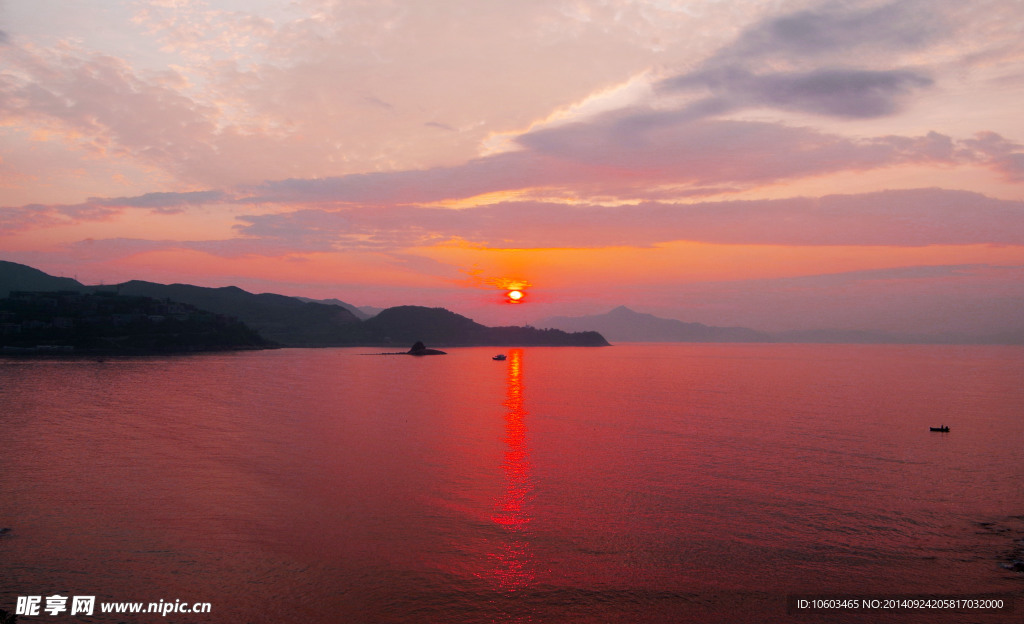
(306, 230)
(35, 216)
(837, 92)
(801, 62)
(304, 100)
(890, 218)
(632, 154)
(622, 157)
(439, 126)
(100, 104)
(644, 155)
(327, 88)
(670, 147)
(164, 202)
(1003, 155)
(482, 175)
(38, 216)
(1011, 166)
(108, 249)
(835, 31)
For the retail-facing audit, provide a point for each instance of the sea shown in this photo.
(721, 483)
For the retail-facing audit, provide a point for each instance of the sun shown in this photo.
(514, 288)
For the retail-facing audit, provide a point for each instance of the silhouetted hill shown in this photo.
(437, 326)
(361, 312)
(105, 322)
(434, 326)
(14, 276)
(284, 320)
(289, 321)
(625, 325)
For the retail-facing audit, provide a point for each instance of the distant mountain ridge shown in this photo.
(296, 322)
(624, 325)
(361, 312)
(289, 321)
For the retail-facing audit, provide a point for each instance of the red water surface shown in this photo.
(638, 483)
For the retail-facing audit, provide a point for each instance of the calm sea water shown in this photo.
(638, 483)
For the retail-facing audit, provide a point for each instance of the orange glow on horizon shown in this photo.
(691, 262)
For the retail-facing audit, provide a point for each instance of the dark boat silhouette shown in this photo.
(943, 429)
(500, 356)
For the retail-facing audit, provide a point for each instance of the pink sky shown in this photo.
(778, 165)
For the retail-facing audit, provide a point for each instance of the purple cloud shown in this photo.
(764, 66)
(1001, 154)
(627, 155)
(900, 218)
(835, 30)
(35, 216)
(164, 203)
(838, 92)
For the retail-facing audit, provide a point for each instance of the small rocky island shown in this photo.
(417, 349)
(421, 349)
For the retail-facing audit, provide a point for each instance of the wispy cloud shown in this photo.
(37, 216)
(767, 66)
(896, 218)
(630, 154)
(428, 138)
(892, 218)
(833, 31)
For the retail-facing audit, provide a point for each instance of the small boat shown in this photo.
(943, 429)
(500, 356)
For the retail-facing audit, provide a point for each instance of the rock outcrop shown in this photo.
(421, 349)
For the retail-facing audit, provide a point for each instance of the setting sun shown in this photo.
(515, 296)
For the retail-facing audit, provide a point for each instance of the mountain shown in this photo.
(291, 322)
(439, 327)
(625, 325)
(104, 322)
(284, 320)
(14, 276)
(361, 312)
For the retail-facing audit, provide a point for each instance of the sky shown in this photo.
(767, 163)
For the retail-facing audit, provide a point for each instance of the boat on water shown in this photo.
(943, 429)
(500, 356)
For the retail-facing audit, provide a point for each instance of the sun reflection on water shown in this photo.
(513, 559)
